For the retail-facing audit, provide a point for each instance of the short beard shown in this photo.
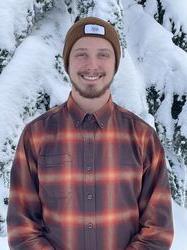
(90, 91)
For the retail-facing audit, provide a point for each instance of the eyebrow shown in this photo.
(85, 49)
(81, 49)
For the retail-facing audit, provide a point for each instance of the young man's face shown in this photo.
(91, 66)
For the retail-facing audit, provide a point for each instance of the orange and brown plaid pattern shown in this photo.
(89, 182)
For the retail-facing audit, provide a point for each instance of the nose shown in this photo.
(92, 62)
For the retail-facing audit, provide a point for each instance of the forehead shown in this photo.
(92, 43)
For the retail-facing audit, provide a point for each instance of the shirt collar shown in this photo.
(76, 113)
(102, 115)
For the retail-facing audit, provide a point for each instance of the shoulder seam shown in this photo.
(128, 114)
(48, 113)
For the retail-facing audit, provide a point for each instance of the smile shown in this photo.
(91, 77)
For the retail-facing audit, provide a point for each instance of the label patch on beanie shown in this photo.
(94, 29)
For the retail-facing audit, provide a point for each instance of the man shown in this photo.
(89, 175)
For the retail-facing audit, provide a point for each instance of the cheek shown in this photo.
(74, 66)
(111, 68)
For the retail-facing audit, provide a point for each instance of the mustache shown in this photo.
(91, 73)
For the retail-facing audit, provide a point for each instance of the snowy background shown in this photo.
(151, 81)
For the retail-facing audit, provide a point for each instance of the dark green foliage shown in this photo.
(31, 108)
(33, 105)
(180, 143)
(142, 2)
(60, 67)
(2, 226)
(85, 7)
(40, 105)
(177, 105)
(118, 23)
(159, 16)
(180, 39)
(5, 201)
(1, 219)
(154, 99)
(68, 4)
(179, 36)
(177, 146)
(33, 14)
(46, 5)
(30, 19)
(1, 167)
(43, 101)
(177, 191)
(5, 57)
(8, 149)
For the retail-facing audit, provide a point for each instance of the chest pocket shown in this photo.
(54, 172)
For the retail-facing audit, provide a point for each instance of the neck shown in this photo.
(90, 105)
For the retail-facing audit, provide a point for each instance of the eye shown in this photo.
(81, 55)
(103, 55)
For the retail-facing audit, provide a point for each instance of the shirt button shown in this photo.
(90, 196)
(90, 225)
(102, 125)
(89, 169)
(89, 117)
(77, 123)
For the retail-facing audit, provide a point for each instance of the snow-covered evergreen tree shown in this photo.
(32, 76)
(175, 144)
(20, 26)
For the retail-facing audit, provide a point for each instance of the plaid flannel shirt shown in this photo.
(89, 182)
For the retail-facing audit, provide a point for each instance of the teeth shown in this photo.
(91, 78)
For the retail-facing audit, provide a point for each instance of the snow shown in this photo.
(148, 44)
(32, 69)
(12, 21)
(182, 120)
(147, 48)
(177, 12)
(4, 243)
(180, 228)
(122, 90)
(3, 192)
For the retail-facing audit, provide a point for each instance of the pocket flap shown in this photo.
(54, 160)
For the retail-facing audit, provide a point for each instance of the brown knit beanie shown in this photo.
(94, 27)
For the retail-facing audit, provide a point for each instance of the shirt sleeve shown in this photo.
(155, 211)
(26, 230)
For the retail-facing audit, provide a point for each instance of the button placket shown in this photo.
(89, 191)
